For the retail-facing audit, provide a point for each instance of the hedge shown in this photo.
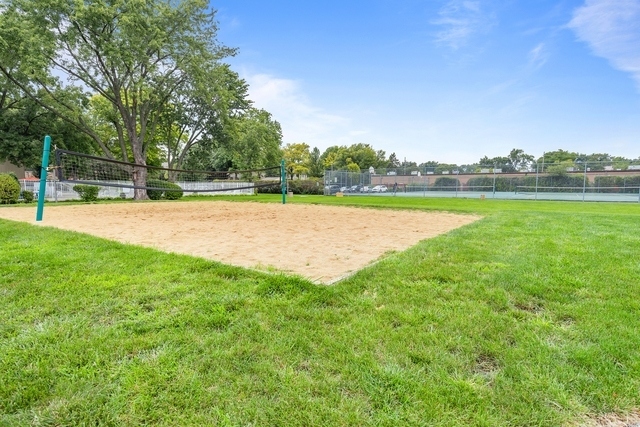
(297, 186)
(166, 189)
(9, 189)
(88, 193)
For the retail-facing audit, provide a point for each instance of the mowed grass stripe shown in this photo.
(524, 318)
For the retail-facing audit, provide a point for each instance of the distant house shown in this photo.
(6, 167)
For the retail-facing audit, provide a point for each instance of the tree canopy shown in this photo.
(139, 55)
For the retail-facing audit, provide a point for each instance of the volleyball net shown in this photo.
(80, 168)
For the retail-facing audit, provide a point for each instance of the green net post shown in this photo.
(43, 176)
(283, 180)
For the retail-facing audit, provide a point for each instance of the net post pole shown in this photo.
(283, 180)
(43, 177)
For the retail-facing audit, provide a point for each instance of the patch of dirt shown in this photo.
(631, 419)
(321, 243)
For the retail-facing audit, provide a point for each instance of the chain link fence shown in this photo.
(586, 181)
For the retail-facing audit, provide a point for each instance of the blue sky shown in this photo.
(444, 80)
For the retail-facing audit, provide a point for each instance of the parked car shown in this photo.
(331, 189)
(365, 189)
(379, 189)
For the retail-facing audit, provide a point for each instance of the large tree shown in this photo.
(135, 53)
(519, 160)
(24, 122)
(250, 140)
(204, 111)
(316, 166)
(357, 156)
(256, 141)
(296, 157)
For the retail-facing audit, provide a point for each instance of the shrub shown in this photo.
(88, 193)
(482, 183)
(9, 189)
(174, 191)
(444, 182)
(306, 186)
(298, 186)
(155, 194)
(15, 178)
(27, 196)
(273, 188)
(167, 189)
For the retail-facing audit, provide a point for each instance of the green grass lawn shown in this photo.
(530, 316)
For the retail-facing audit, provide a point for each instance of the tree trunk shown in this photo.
(139, 173)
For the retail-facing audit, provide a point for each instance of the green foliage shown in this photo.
(257, 141)
(139, 55)
(316, 168)
(23, 123)
(559, 156)
(486, 183)
(173, 191)
(272, 187)
(482, 183)
(446, 182)
(27, 196)
(297, 159)
(88, 193)
(306, 186)
(9, 189)
(360, 156)
(616, 184)
(156, 190)
(353, 167)
(559, 169)
(310, 186)
(163, 189)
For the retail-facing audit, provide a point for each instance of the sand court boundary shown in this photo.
(321, 243)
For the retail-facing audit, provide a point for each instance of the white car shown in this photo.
(379, 189)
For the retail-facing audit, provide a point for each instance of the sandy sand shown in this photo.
(321, 243)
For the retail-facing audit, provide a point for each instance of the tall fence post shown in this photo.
(537, 173)
(43, 177)
(584, 181)
(283, 180)
(456, 182)
(494, 181)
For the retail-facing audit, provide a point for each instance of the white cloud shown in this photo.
(538, 56)
(460, 19)
(301, 121)
(611, 28)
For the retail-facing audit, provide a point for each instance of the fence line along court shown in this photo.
(321, 243)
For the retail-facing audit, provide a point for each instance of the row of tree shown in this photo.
(301, 160)
(135, 80)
